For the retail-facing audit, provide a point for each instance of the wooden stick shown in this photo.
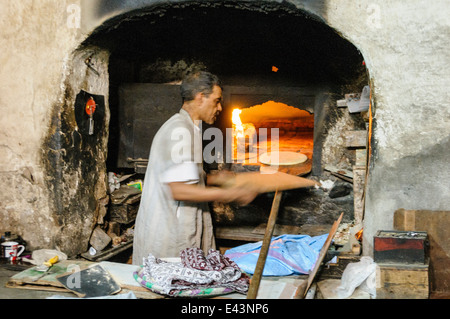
(256, 279)
(303, 289)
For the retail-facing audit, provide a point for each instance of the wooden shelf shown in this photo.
(256, 233)
(108, 253)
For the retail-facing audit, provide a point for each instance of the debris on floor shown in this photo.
(357, 282)
(114, 231)
(73, 275)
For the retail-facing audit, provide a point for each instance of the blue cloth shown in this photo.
(288, 255)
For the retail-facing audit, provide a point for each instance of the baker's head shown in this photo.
(202, 95)
(198, 82)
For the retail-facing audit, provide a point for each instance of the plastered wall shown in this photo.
(406, 50)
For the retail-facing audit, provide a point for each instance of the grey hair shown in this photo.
(198, 82)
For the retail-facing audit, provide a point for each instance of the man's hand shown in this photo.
(241, 196)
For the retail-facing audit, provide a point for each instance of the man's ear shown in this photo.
(199, 96)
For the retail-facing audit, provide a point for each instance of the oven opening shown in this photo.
(272, 133)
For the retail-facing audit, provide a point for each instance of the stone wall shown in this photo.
(36, 47)
(51, 177)
(74, 160)
(407, 53)
(406, 50)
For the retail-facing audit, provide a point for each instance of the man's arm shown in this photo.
(196, 193)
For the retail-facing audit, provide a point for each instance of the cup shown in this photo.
(12, 249)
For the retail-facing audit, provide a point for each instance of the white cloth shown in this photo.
(165, 227)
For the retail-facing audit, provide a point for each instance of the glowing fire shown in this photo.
(244, 137)
(237, 123)
(256, 129)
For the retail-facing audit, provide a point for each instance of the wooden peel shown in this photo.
(261, 182)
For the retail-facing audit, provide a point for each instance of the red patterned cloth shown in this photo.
(214, 261)
(220, 268)
(196, 271)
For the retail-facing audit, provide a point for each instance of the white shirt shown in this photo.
(164, 227)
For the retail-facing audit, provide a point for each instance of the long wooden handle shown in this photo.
(256, 279)
(261, 183)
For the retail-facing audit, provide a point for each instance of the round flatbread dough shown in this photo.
(282, 158)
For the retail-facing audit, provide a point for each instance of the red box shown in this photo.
(408, 247)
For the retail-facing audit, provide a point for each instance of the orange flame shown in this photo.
(359, 234)
(237, 123)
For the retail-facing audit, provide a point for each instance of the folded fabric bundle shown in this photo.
(288, 255)
(196, 273)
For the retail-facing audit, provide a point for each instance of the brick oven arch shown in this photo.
(264, 45)
(269, 49)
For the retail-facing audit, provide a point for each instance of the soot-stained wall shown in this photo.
(74, 157)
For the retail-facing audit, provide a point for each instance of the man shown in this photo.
(173, 214)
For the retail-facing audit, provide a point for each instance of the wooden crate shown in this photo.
(402, 281)
(436, 224)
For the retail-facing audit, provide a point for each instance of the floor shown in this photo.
(7, 271)
(271, 287)
(278, 288)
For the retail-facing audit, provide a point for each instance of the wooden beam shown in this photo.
(256, 278)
